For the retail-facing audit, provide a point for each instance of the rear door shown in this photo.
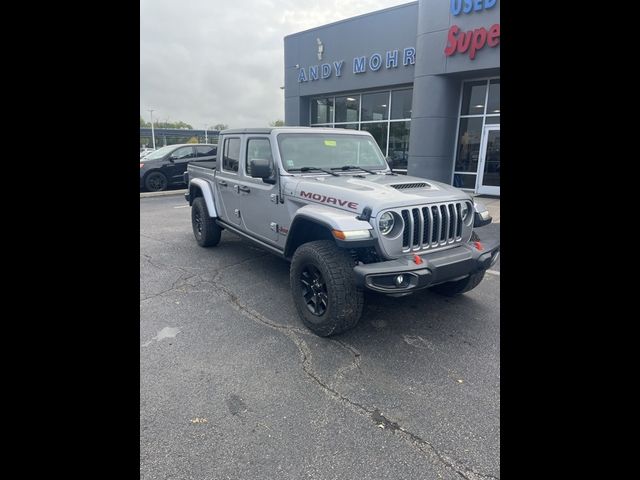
(178, 161)
(227, 178)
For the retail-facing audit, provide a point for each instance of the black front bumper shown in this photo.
(436, 267)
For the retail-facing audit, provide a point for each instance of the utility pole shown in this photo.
(153, 135)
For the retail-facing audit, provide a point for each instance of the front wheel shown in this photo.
(323, 288)
(205, 229)
(451, 289)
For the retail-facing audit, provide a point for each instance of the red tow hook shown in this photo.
(417, 259)
(478, 245)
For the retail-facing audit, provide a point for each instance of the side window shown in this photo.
(258, 148)
(231, 156)
(183, 153)
(205, 150)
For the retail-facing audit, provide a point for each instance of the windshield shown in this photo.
(299, 150)
(161, 152)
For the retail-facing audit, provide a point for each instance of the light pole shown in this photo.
(153, 135)
(206, 140)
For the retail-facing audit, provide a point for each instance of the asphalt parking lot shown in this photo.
(233, 386)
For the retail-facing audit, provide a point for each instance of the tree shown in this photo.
(220, 126)
(277, 123)
(144, 124)
(192, 140)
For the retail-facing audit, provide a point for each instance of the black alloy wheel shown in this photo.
(314, 290)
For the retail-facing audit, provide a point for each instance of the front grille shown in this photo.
(402, 186)
(431, 226)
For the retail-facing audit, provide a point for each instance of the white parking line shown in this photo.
(182, 206)
(493, 272)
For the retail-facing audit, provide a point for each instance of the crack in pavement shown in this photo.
(374, 414)
(294, 334)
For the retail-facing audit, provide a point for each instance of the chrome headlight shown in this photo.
(386, 223)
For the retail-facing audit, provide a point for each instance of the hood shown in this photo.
(376, 191)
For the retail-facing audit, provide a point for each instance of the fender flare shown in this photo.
(207, 193)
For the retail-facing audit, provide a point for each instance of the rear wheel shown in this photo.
(205, 229)
(324, 289)
(451, 289)
(156, 182)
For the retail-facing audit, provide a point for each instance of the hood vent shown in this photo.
(404, 186)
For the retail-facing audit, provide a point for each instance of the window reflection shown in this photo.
(468, 150)
(375, 106)
(347, 108)
(493, 105)
(401, 103)
(379, 132)
(399, 143)
(322, 110)
(473, 98)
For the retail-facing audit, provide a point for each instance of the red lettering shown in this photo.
(353, 205)
(342, 202)
(331, 200)
(479, 39)
(317, 196)
(305, 194)
(464, 41)
(451, 40)
(472, 41)
(493, 38)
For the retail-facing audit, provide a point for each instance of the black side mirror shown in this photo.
(261, 168)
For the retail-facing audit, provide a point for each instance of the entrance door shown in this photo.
(489, 171)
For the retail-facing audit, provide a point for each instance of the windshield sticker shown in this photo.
(289, 163)
(330, 143)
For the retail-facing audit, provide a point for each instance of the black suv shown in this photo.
(166, 166)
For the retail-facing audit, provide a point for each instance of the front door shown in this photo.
(262, 213)
(489, 168)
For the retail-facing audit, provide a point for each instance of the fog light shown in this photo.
(399, 280)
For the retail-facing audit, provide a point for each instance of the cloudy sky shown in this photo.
(221, 61)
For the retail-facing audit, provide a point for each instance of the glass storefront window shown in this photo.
(375, 106)
(399, 143)
(464, 181)
(379, 132)
(473, 98)
(492, 120)
(350, 126)
(493, 105)
(468, 150)
(322, 110)
(347, 108)
(401, 103)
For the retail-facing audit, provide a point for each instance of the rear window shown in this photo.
(206, 150)
(231, 156)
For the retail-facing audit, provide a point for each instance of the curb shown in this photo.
(162, 194)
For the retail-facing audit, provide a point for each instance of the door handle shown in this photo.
(243, 188)
(222, 182)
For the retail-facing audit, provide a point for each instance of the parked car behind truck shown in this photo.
(326, 200)
(166, 166)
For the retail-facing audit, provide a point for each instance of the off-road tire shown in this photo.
(156, 182)
(343, 299)
(205, 229)
(451, 289)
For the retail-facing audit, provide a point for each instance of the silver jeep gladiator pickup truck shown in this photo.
(326, 200)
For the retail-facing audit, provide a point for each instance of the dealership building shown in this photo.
(423, 78)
